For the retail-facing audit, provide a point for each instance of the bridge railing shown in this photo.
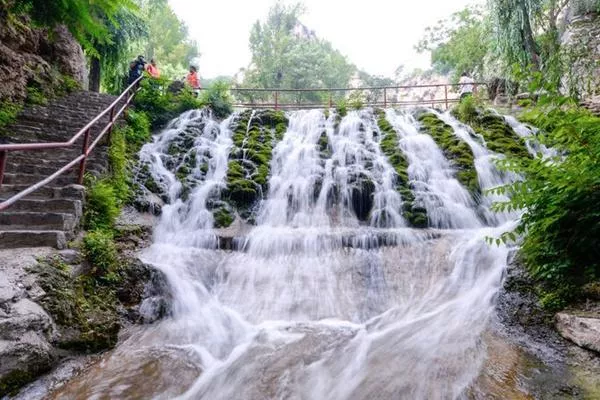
(432, 95)
(114, 111)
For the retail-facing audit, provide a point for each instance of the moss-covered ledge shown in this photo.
(417, 216)
(255, 134)
(454, 149)
(498, 134)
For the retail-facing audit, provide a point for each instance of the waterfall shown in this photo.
(448, 204)
(332, 294)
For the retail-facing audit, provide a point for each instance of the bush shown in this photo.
(102, 208)
(139, 128)
(559, 198)
(118, 156)
(466, 110)
(218, 98)
(341, 107)
(8, 112)
(100, 251)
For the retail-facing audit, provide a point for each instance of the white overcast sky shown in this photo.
(376, 35)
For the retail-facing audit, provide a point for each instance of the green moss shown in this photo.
(223, 217)
(83, 307)
(417, 216)
(8, 113)
(323, 145)
(254, 136)
(36, 96)
(455, 150)
(15, 380)
(498, 135)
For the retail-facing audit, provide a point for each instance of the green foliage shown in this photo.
(8, 113)
(356, 100)
(35, 96)
(139, 129)
(459, 44)
(466, 110)
(100, 251)
(102, 206)
(283, 59)
(118, 158)
(218, 98)
(341, 107)
(559, 198)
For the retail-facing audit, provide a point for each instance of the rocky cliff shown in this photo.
(37, 62)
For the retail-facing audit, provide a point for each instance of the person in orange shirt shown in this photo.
(192, 78)
(152, 69)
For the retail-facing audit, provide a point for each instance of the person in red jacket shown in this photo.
(152, 69)
(192, 78)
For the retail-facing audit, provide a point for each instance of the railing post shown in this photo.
(384, 97)
(3, 155)
(111, 123)
(84, 147)
(446, 96)
(276, 100)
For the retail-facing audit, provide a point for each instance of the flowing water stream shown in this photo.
(325, 301)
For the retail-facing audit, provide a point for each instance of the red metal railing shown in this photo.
(114, 113)
(376, 96)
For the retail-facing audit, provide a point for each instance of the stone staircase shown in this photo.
(51, 215)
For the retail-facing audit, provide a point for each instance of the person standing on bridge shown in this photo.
(466, 86)
(192, 79)
(152, 69)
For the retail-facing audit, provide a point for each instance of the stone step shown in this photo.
(65, 154)
(38, 221)
(66, 206)
(16, 160)
(24, 179)
(49, 169)
(32, 238)
(74, 192)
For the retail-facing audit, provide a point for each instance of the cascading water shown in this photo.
(448, 204)
(488, 174)
(315, 306)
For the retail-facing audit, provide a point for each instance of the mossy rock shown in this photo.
(254, 135)
(83, 309)
(498, 134)
(223, 217)
(389, 144)
(457, 151)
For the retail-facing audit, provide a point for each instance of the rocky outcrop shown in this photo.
(52, 307)
(583, 330)
(581, 46)
(37, 59)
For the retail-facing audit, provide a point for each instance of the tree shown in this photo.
(286, 54)
(109, 54)
(458, 44)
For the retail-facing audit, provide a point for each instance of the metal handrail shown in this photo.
(277, 104)
(85, 151)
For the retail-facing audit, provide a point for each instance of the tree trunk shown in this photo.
(95, 75)
(527, 37)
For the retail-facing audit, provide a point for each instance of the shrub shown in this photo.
(118, 156)
(100, 251)
(559, 198)
(139, 128)
(341, 106)
(102, 207)
(8, 112)
(466, 110)
(218, 98)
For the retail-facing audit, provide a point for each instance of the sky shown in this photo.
(376, 35)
